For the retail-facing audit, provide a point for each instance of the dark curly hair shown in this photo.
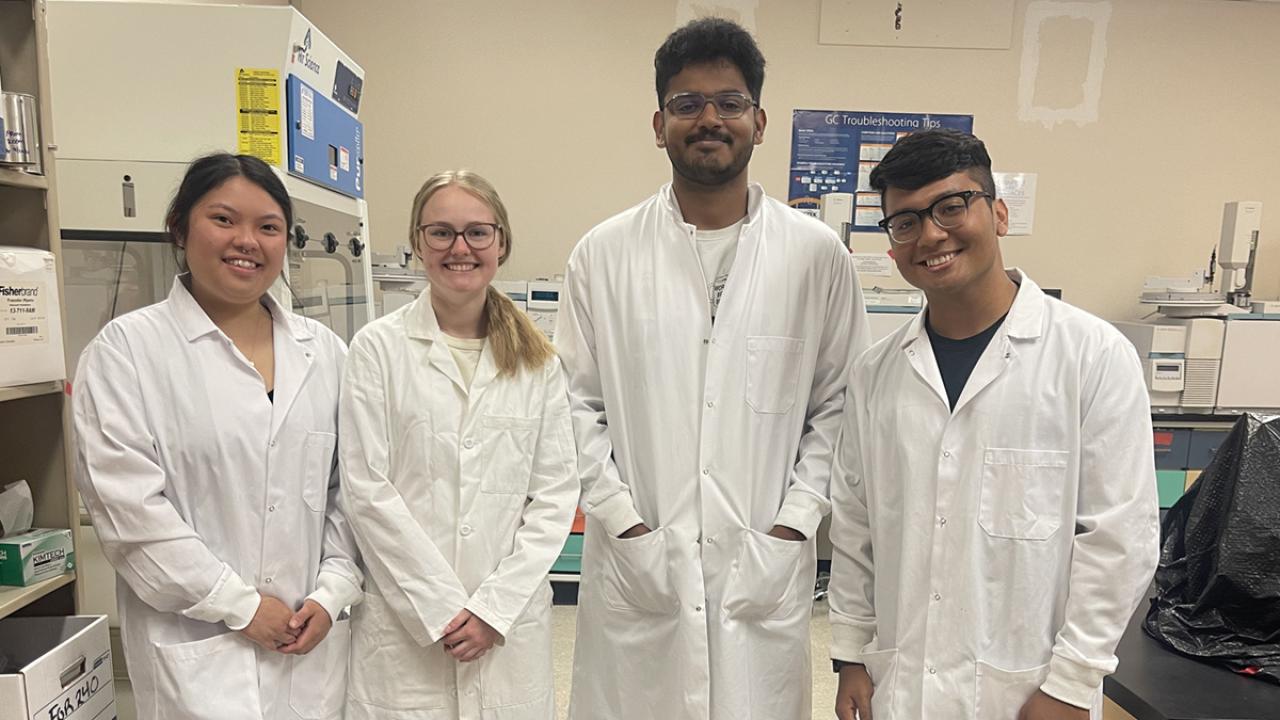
(709, 40)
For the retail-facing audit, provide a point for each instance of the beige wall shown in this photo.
(552, 100)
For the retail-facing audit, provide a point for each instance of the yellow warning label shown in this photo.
(258, 114)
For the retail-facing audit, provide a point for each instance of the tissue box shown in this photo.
(59, 668)
(36, 555)
(30, 318)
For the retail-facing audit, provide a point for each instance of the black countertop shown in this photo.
(1155, 683)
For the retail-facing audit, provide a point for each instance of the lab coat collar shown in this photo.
(1023, 322)
(421, 324)
(755, 198)
(195, 323)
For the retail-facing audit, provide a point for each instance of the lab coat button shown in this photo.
(271, 508)
(698, 608)
(711, 541)
(942, 521)
(706, 471)
(468, 443)
(711, 403)
(946, 453)
(936, 596)
(273, 443)
(933, 671)
(465, 530)
(268, 581)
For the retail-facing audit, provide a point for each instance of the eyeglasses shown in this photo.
(729, 105)
(477, 236)
(947, 212)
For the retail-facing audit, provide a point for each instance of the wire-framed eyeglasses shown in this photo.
(729, 105)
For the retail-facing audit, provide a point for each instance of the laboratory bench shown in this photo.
(1153, 682)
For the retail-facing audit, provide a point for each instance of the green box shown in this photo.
(570, 560)
(36, 555)
(1170, 484)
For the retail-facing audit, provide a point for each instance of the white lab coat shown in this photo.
(984, 553)
(458, 498)
(205, 493)
(710, 436)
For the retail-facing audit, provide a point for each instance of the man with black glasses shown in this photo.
(707, 334)
(994, 497)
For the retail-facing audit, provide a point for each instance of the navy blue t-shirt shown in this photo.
(957, 358)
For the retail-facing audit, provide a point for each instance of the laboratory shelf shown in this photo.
(16, 598)
(16, 178)
(18, 392)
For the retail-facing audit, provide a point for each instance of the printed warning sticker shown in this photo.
(258, 114)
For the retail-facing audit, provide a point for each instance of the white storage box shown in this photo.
(56, 668)
(30, 318)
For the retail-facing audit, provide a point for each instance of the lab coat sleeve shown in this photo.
(844, 337)
(547, 517)
(408, 570)
(605, 496)
(1116, 545)
(851, 598)
(339, 582)
(153, 549)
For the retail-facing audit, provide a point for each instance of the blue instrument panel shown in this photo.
(326, 144)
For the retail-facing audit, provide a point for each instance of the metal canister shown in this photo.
(21, 142)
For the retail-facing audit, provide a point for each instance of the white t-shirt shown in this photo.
(466, 354)
(717, 250)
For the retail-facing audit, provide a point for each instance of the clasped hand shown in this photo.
(275, 627)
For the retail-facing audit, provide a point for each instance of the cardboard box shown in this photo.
(56, 668)
(30, 319)
(36, 555)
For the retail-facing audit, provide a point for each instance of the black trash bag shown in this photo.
(1218, 584)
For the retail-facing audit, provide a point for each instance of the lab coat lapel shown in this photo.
(919, 355)
(421, 324)
(1021, 324)
(751, 252)
(295, 354)
(998, 356)
(486, 372)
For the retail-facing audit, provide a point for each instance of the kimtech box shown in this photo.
(56, 668)
(35, 555)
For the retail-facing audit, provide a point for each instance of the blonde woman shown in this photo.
(460, 480)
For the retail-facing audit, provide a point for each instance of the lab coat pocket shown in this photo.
(762, 582)
(773, 368)
(882, 666)
(317, 466)
(211, 679)
(637, 575)
(1000, 694)
(508, 444)
(1022, 492)
(318, 684)
(390, 670)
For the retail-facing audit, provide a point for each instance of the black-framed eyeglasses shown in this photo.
(477, 236)
(947, 212)
(729, 105)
